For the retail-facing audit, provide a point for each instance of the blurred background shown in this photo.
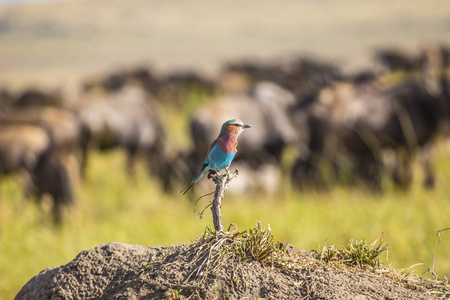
(107, 109)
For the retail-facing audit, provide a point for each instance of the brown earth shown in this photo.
(194, 271)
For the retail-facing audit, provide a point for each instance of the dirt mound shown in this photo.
(225, 266)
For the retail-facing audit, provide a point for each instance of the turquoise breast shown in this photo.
(218, 160)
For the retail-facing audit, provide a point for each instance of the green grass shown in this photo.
(356, 253)
(112, 207)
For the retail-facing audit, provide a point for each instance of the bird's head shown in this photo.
(233, 125)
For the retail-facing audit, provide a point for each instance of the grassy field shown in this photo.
(111, 207)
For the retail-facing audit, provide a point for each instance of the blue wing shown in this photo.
(206, 166)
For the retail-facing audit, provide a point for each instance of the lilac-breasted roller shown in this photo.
(222, 151)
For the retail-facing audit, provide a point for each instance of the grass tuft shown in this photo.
(356, 253)
(256, 243)
(216, 248)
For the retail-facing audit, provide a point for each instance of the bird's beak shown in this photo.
(246, 126)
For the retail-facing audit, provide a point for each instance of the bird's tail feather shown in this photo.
(195, 180)
(183, 191)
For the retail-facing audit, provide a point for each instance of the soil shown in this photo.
(123, 271)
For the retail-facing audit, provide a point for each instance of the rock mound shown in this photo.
(216, 267)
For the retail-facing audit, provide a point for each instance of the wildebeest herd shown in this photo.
(364, 126)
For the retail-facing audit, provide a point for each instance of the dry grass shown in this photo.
(216, 249)
(356, 253)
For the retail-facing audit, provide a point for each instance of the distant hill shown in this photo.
(25, 1)
(59, 41)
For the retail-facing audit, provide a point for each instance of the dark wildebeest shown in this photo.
(128, 119)
(395, 60)
(300, 75)
(364, 120)
(29, 147)
(54, 173)
(112, 82)
(52, 176)
(6, 100)
(36, 97)
(169, 87)
(176, 83)
(21, 146)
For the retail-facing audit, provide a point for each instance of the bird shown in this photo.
(222, 151)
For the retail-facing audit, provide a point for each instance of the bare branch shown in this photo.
(201, 214)
(221, 182)
(195, 205)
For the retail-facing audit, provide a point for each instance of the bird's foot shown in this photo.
(231, 175)
(214, 174)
